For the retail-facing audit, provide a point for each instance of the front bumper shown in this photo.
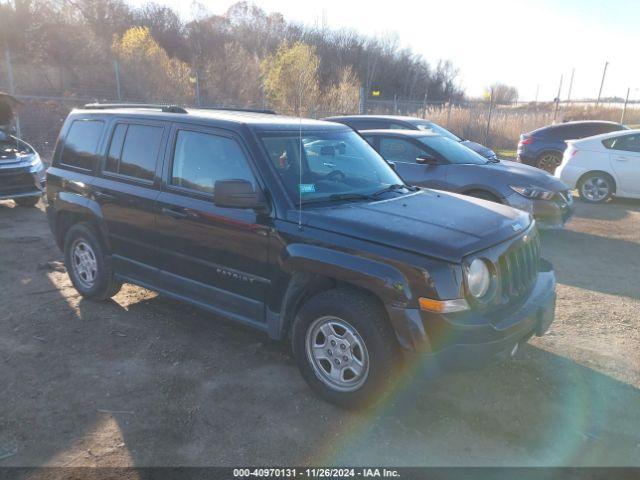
(447, 342)
(549, 214)
(21, 182)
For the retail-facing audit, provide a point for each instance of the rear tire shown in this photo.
(345, 347)
(597, 187)
(88, 265)
(27, 201)
(549, 161)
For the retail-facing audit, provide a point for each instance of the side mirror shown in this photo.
(392, 165)
(427, 159)
(237, 194)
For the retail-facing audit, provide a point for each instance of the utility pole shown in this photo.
(537, 92)
(486, 134)
(197, 89)
(12, 86)
(555, 113)
(604, 73)
(116, 66)
(624, 109)
(573, 71)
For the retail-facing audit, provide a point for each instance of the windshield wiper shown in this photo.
(394, 187)
(336, 197)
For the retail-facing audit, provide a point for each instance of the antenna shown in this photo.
(300, 151)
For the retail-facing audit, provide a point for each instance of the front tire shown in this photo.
(596, 188)
(88, 265)
(549, 161)
(26, 201)
(345, 347)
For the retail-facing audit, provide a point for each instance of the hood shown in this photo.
(12, 149)
(478, 148)
(428, 222)
(524, 175)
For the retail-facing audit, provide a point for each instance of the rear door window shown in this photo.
(134, 150)
(81, 144)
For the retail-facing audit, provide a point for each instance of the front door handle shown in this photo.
(103, 196)
(621, 158)
(173, 213)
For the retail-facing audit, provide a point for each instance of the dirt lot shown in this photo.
(143, 380)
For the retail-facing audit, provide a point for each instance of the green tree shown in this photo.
(290, 78)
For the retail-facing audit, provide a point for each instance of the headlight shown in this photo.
(478, 278)
(533, 192)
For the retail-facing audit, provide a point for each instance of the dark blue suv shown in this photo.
(543, 148)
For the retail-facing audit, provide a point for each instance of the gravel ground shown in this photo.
(142, 380)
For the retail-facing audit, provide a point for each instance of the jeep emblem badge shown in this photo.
(516, 227)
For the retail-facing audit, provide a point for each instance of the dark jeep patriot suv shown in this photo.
(299, 229)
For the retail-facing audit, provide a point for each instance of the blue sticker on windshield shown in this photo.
(307, 187)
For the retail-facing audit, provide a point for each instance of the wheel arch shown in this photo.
(71, 209)
(470, 190)
(548, 150)
(313, 269)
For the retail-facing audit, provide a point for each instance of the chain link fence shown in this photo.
(50, 92)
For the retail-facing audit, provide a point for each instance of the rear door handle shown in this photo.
(621, 159)
(173, 213)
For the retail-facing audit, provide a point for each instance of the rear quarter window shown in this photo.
(134, 150)
(81, 144)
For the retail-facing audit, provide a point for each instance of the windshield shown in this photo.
(435, 128)
(334, 163)
(452, 151)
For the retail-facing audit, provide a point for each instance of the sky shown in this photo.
(527, 44)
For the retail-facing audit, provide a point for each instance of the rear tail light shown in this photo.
(526, 141)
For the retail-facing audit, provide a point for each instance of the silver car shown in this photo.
(435, 161)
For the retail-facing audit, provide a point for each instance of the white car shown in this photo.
(603, 166)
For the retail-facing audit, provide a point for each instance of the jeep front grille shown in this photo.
(518, 267)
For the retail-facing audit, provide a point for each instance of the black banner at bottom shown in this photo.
(331, 473)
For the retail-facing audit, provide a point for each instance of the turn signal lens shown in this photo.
(443, 306)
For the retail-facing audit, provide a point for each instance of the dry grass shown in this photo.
(507, 123)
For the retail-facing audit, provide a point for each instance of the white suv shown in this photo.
(603, 166)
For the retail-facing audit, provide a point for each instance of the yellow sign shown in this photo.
(375, 93)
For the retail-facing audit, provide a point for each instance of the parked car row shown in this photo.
(300, 229)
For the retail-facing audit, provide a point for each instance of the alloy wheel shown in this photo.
(595, 189)
(549, 162)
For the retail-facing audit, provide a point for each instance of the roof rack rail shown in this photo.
(164, 108)
(234, 109)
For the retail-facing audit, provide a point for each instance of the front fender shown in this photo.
(309, 268)
(388, 283)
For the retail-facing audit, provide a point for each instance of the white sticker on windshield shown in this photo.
(307, 187)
